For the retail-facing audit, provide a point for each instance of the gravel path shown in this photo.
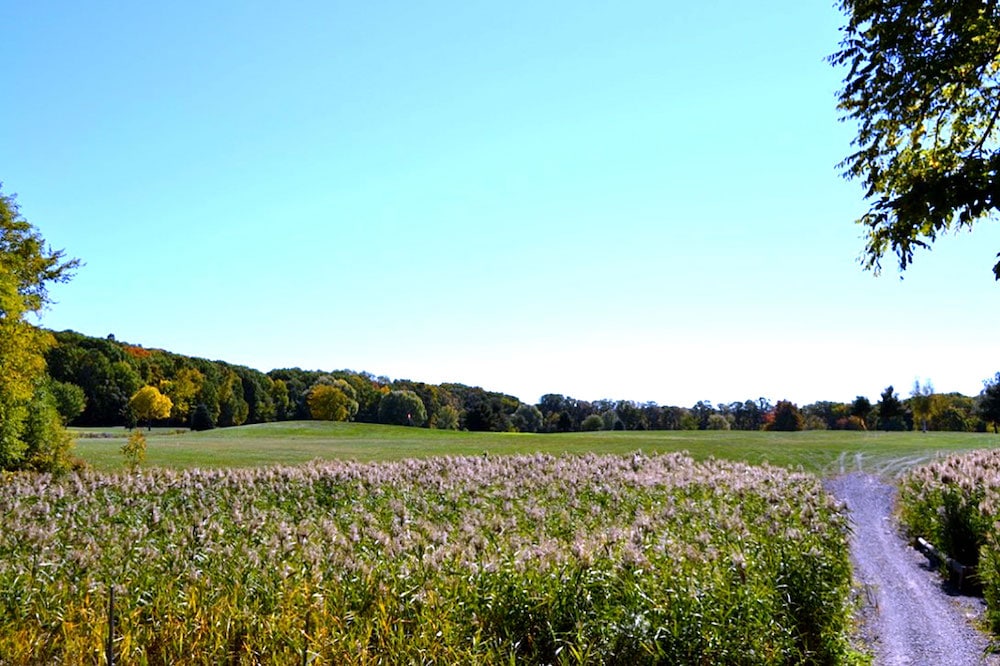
(908, 615)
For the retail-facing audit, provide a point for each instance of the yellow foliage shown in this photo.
(182, 390)
(148, 403)
(135, 449)
(328, 403)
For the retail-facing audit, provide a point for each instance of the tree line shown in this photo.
(105, 382)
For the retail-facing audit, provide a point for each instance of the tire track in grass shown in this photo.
(896, 466)
(908, 615)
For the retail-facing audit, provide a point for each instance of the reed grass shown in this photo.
(489, 560)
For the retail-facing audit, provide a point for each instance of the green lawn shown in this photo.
(824, 452)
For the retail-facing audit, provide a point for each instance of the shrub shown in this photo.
(718, 422)
(134, 450)
(813, 422)
(48, 442)
(851, 423)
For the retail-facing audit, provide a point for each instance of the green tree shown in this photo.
(148, 404)
(631, 417)
(233, 407)
(701, 411)
(48, 442)
(989, 402)
(487, 412)
(861, 409)
(280, 398)
(923, 86)
(592, 423)
(825, 415)
(402, 408)
(447, 418)
(956, 413)
(369, 394)
(891, 412)
(609, 419)
(69, 399)
(201, 418)
(527, 418)
(27, 268)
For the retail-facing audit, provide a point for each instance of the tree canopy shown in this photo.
(891, 411)
(332, 399)
(923, 86)
(787, 417)
(148, 404)
(402, 408)
(989, 401)
(29, 422)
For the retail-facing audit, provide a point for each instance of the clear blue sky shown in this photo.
(633, 200)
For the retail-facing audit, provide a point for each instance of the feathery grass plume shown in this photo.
(652, 559)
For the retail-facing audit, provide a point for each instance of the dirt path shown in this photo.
(909, 616)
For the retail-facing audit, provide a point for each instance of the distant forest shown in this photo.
(96, 381)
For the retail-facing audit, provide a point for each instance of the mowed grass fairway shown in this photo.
(290, 443)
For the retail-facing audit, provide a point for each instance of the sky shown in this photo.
(631, 200)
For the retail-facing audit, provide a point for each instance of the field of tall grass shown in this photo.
(475, 559)
(954, 503)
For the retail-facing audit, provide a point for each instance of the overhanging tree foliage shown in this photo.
(923, 85)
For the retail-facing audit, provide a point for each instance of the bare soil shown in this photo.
(909, 614)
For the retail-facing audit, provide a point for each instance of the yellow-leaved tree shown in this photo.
(148, 404)
(332, 399)
(31, 431)
(182, 390)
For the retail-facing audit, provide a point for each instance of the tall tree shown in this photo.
(923, 403)
(989, 401)
(182, 390)
(233, 407)
(891, 413)
(701, 411)
(70, 400)
(27, 268)
(403, 408)
(861, 409)
(787, 417)
(923, 86)
(446, 418)
(527, 418)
